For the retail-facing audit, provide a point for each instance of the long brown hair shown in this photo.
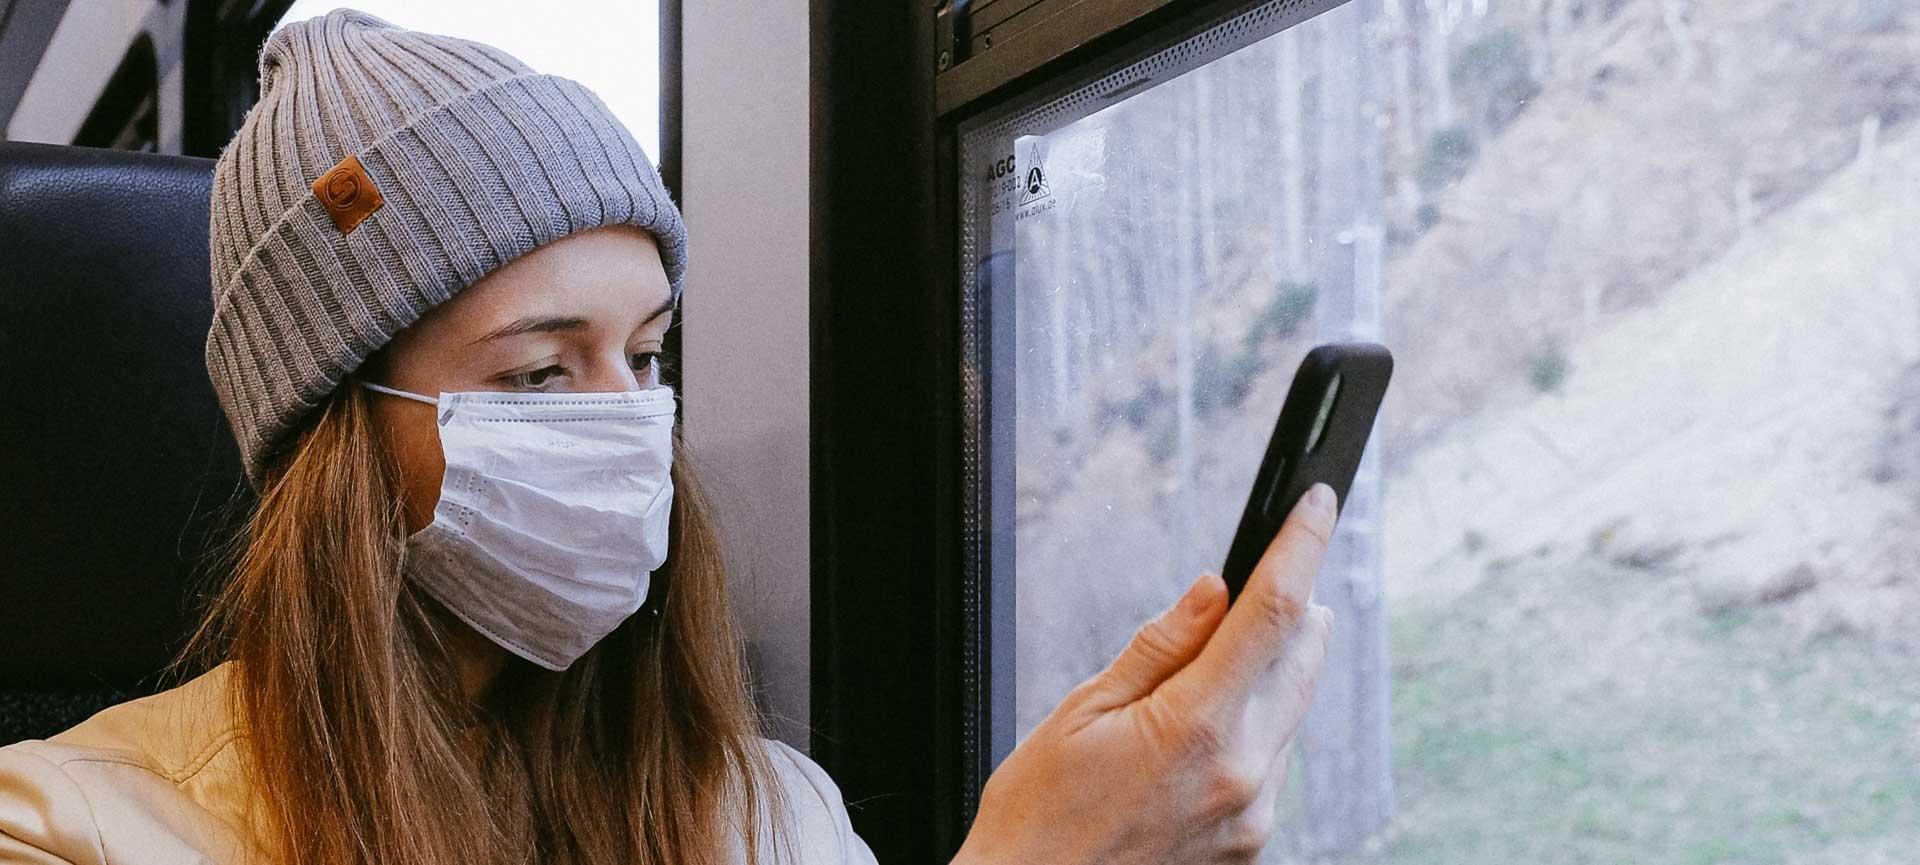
(361, 748)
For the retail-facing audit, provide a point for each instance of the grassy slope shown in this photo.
(1563, 713)
(1594, 678)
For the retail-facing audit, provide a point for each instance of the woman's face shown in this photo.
(586, 312)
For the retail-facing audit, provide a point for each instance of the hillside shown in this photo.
(1736, 432)
(1633, 165)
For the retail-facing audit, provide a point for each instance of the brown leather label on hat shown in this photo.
(347, 193)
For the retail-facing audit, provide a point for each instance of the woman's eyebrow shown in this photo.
(556, 323)
(536, 324)
(663, 309)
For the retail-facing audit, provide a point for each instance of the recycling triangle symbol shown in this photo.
(1034, 187)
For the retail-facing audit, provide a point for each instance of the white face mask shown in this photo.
(552, 515)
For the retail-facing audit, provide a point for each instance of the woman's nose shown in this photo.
(611, 373)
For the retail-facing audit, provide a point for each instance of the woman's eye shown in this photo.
(537, 377)
(645, 363)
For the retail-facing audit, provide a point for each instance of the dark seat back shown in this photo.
(116, 466)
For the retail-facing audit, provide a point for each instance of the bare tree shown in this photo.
(1186, 278)
(1292, 246)
(1559, 27)
(1060, 329)
(1674, 14)
(1442, 15)
(1205, 163)
(1345, 741)
(1396, 41)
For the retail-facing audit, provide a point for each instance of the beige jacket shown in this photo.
(155, 781)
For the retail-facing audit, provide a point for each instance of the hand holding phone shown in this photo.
(1174, 750)
(1177, 751)
(1320, 436)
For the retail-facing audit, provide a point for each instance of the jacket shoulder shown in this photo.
(153, 774)
(45, 817)
(823, 830)
(174, 733)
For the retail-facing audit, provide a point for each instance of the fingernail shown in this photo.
(1191, 603)
(1320, 497)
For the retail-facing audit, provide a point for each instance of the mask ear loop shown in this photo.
(401, 393)
(655, 600)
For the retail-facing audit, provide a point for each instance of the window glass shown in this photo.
(612, 47)
(127, 114)
(1632, 570)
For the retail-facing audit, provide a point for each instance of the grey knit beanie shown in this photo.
(383, 170)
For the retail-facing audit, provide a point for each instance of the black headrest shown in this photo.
(114, 456)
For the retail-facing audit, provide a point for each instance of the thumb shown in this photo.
(1162, 646)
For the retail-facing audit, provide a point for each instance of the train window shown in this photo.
(127, 114)
(595, 43)
(1632, 569)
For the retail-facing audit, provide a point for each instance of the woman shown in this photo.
(441, 285)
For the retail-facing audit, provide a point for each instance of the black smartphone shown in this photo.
(1321, 433)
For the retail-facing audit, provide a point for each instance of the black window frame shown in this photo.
(901, 633)
(220, 68)
(126, 116)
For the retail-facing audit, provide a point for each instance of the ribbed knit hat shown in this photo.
(383, 170)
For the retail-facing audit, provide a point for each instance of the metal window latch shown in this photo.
(951, 33)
